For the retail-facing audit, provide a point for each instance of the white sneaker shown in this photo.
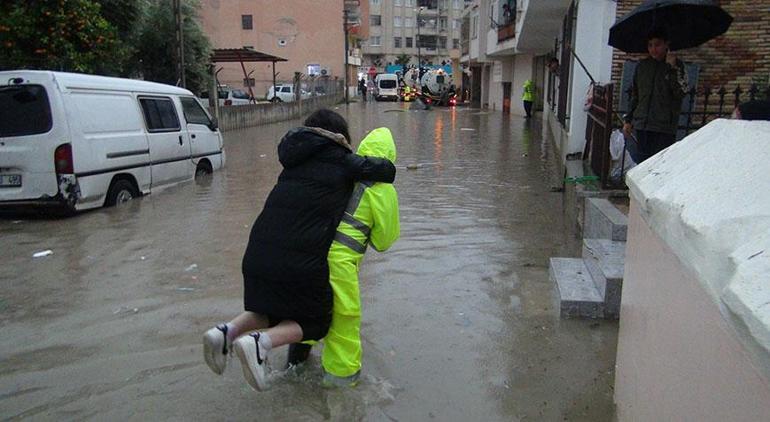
(253, 360)
(215, 348)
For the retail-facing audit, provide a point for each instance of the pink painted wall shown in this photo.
(311, 31)
(678, 359)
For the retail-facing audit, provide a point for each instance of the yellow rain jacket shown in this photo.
(370, 219)
(529, 93)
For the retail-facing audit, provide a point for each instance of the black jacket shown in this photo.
(286, 255)
(656, 96)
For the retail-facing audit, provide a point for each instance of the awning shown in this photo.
(236, 55)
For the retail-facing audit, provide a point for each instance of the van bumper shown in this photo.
(49, 204)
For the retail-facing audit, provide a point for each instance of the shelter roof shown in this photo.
(221, 55)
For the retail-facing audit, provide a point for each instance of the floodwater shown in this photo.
(460, 319)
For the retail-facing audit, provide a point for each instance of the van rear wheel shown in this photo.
(120, 192)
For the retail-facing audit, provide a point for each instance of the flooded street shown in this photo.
(460, 319)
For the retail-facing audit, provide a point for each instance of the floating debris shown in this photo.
(42, 253)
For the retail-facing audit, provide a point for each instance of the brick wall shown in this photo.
(741, 56)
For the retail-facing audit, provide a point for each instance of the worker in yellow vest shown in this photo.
(528, 97)
(370, 219)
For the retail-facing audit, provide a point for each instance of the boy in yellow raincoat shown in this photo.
(371, 218)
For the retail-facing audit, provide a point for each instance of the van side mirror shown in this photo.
(214, 124)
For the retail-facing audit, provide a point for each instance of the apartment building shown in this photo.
(402, 27)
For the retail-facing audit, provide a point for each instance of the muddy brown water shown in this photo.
(460, 320)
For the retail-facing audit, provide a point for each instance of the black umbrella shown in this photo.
(687, 23)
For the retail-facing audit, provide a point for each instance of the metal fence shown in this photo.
(700, 107)
(704, 105)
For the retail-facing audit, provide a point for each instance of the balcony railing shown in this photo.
(506, 32)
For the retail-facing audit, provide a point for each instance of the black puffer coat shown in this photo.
(285, 260)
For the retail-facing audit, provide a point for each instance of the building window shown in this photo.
(375, 20)
(397, 42)
(247, 22)
(397, 3)
(374, 41)
(442, 24)
(456, 4)
(444, 4)
(409, 3)
(409, 42)
(375, 2)
(442, 42)
(475, 26)
(457, 23)
(408, 22)
(397, 21)
(455, 43)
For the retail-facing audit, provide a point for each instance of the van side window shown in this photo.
(193, 112)
(160, 114)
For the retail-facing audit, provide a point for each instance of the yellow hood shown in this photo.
(379, 143)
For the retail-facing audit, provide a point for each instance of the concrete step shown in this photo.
(577, 293)
(602, 220)
(605, 260)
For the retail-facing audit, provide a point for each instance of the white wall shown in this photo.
(522, 71)
(678, 359)
(694, 335)
(594, 19)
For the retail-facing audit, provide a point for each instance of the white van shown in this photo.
(387, 86)
(79, 141)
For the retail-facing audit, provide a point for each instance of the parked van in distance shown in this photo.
(387, 86)
(75, 141)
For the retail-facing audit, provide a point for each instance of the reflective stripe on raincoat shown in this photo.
(371, 218)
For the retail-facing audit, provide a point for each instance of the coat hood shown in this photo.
(302, 143)
(379, 143)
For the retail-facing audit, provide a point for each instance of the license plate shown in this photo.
(10, 180)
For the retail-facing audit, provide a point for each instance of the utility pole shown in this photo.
(347, 71)
(177, 5)
(419, 57)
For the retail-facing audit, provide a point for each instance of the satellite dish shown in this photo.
(323, 72)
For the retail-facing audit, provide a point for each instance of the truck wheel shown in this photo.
(275, 100)
(120, 192)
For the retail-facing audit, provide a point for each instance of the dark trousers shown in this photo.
(648, 144)
(528, 108)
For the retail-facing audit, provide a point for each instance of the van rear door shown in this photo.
(32, 125)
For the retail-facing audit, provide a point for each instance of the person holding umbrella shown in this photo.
(659, 86)
(659, 80)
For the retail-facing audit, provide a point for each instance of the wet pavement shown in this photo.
(460, 320)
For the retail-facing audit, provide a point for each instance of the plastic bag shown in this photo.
(617, 143)
(618, 150)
